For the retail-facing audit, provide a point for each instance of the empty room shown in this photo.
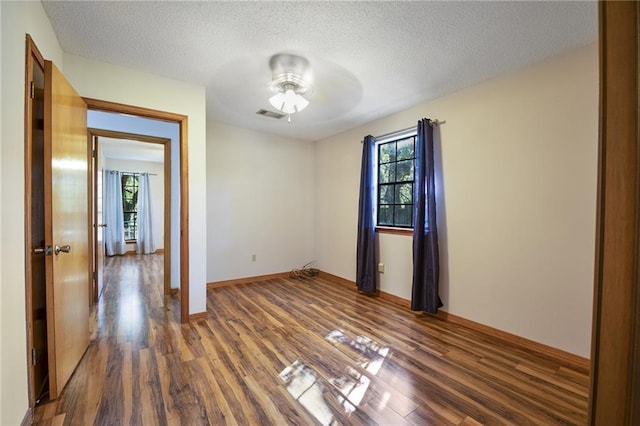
(341, 212)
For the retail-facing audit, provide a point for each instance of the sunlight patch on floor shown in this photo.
(348, 388)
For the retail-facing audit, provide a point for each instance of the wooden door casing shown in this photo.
(98, 195)
(615, 347)
(97, 244)
(35, 270)
(183, 166)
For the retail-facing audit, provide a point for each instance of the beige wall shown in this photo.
(259, 201)
(516, 202)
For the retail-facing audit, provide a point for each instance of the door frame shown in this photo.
(32, 55)
(182, 121)
(98, 133)
(183, 163)
(615, 345)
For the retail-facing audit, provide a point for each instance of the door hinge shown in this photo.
(32, 90)
(94, 154)
(33, 356)
(95, 275)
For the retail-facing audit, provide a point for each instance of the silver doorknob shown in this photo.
(64, 249)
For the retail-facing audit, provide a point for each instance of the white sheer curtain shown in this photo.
(113, 215)
(144, 222)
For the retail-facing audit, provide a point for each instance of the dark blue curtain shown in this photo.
(426, 268)
(366, 273)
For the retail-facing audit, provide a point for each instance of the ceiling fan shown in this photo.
(291, 82)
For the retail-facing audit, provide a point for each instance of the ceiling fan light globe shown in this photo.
(277, 100)
(302, 103)
(288, 101)
(290, 97)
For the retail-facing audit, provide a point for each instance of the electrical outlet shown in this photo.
(381, 268)
(253, 257)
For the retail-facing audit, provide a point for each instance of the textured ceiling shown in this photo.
(369, 59)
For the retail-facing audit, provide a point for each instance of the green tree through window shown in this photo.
(396, 164)
(130, 205)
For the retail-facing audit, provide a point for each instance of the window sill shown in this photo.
(131, 241)
(396, 231)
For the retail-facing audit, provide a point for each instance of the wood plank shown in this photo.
(217, 407)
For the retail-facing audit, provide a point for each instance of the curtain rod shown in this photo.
(408, 129)
(131, 173)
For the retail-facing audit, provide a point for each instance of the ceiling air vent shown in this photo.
(270, 114)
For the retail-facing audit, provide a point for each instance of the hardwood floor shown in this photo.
(300, 352)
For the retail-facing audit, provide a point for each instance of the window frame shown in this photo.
(382, 140)
(136, 186)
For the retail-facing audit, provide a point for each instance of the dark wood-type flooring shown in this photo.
(299, 352)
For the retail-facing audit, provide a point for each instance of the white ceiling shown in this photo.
(369, 59)
(124, 149)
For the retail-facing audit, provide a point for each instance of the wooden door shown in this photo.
(66, 227)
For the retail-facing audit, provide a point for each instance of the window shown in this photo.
(130, 205)
(396, 165)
